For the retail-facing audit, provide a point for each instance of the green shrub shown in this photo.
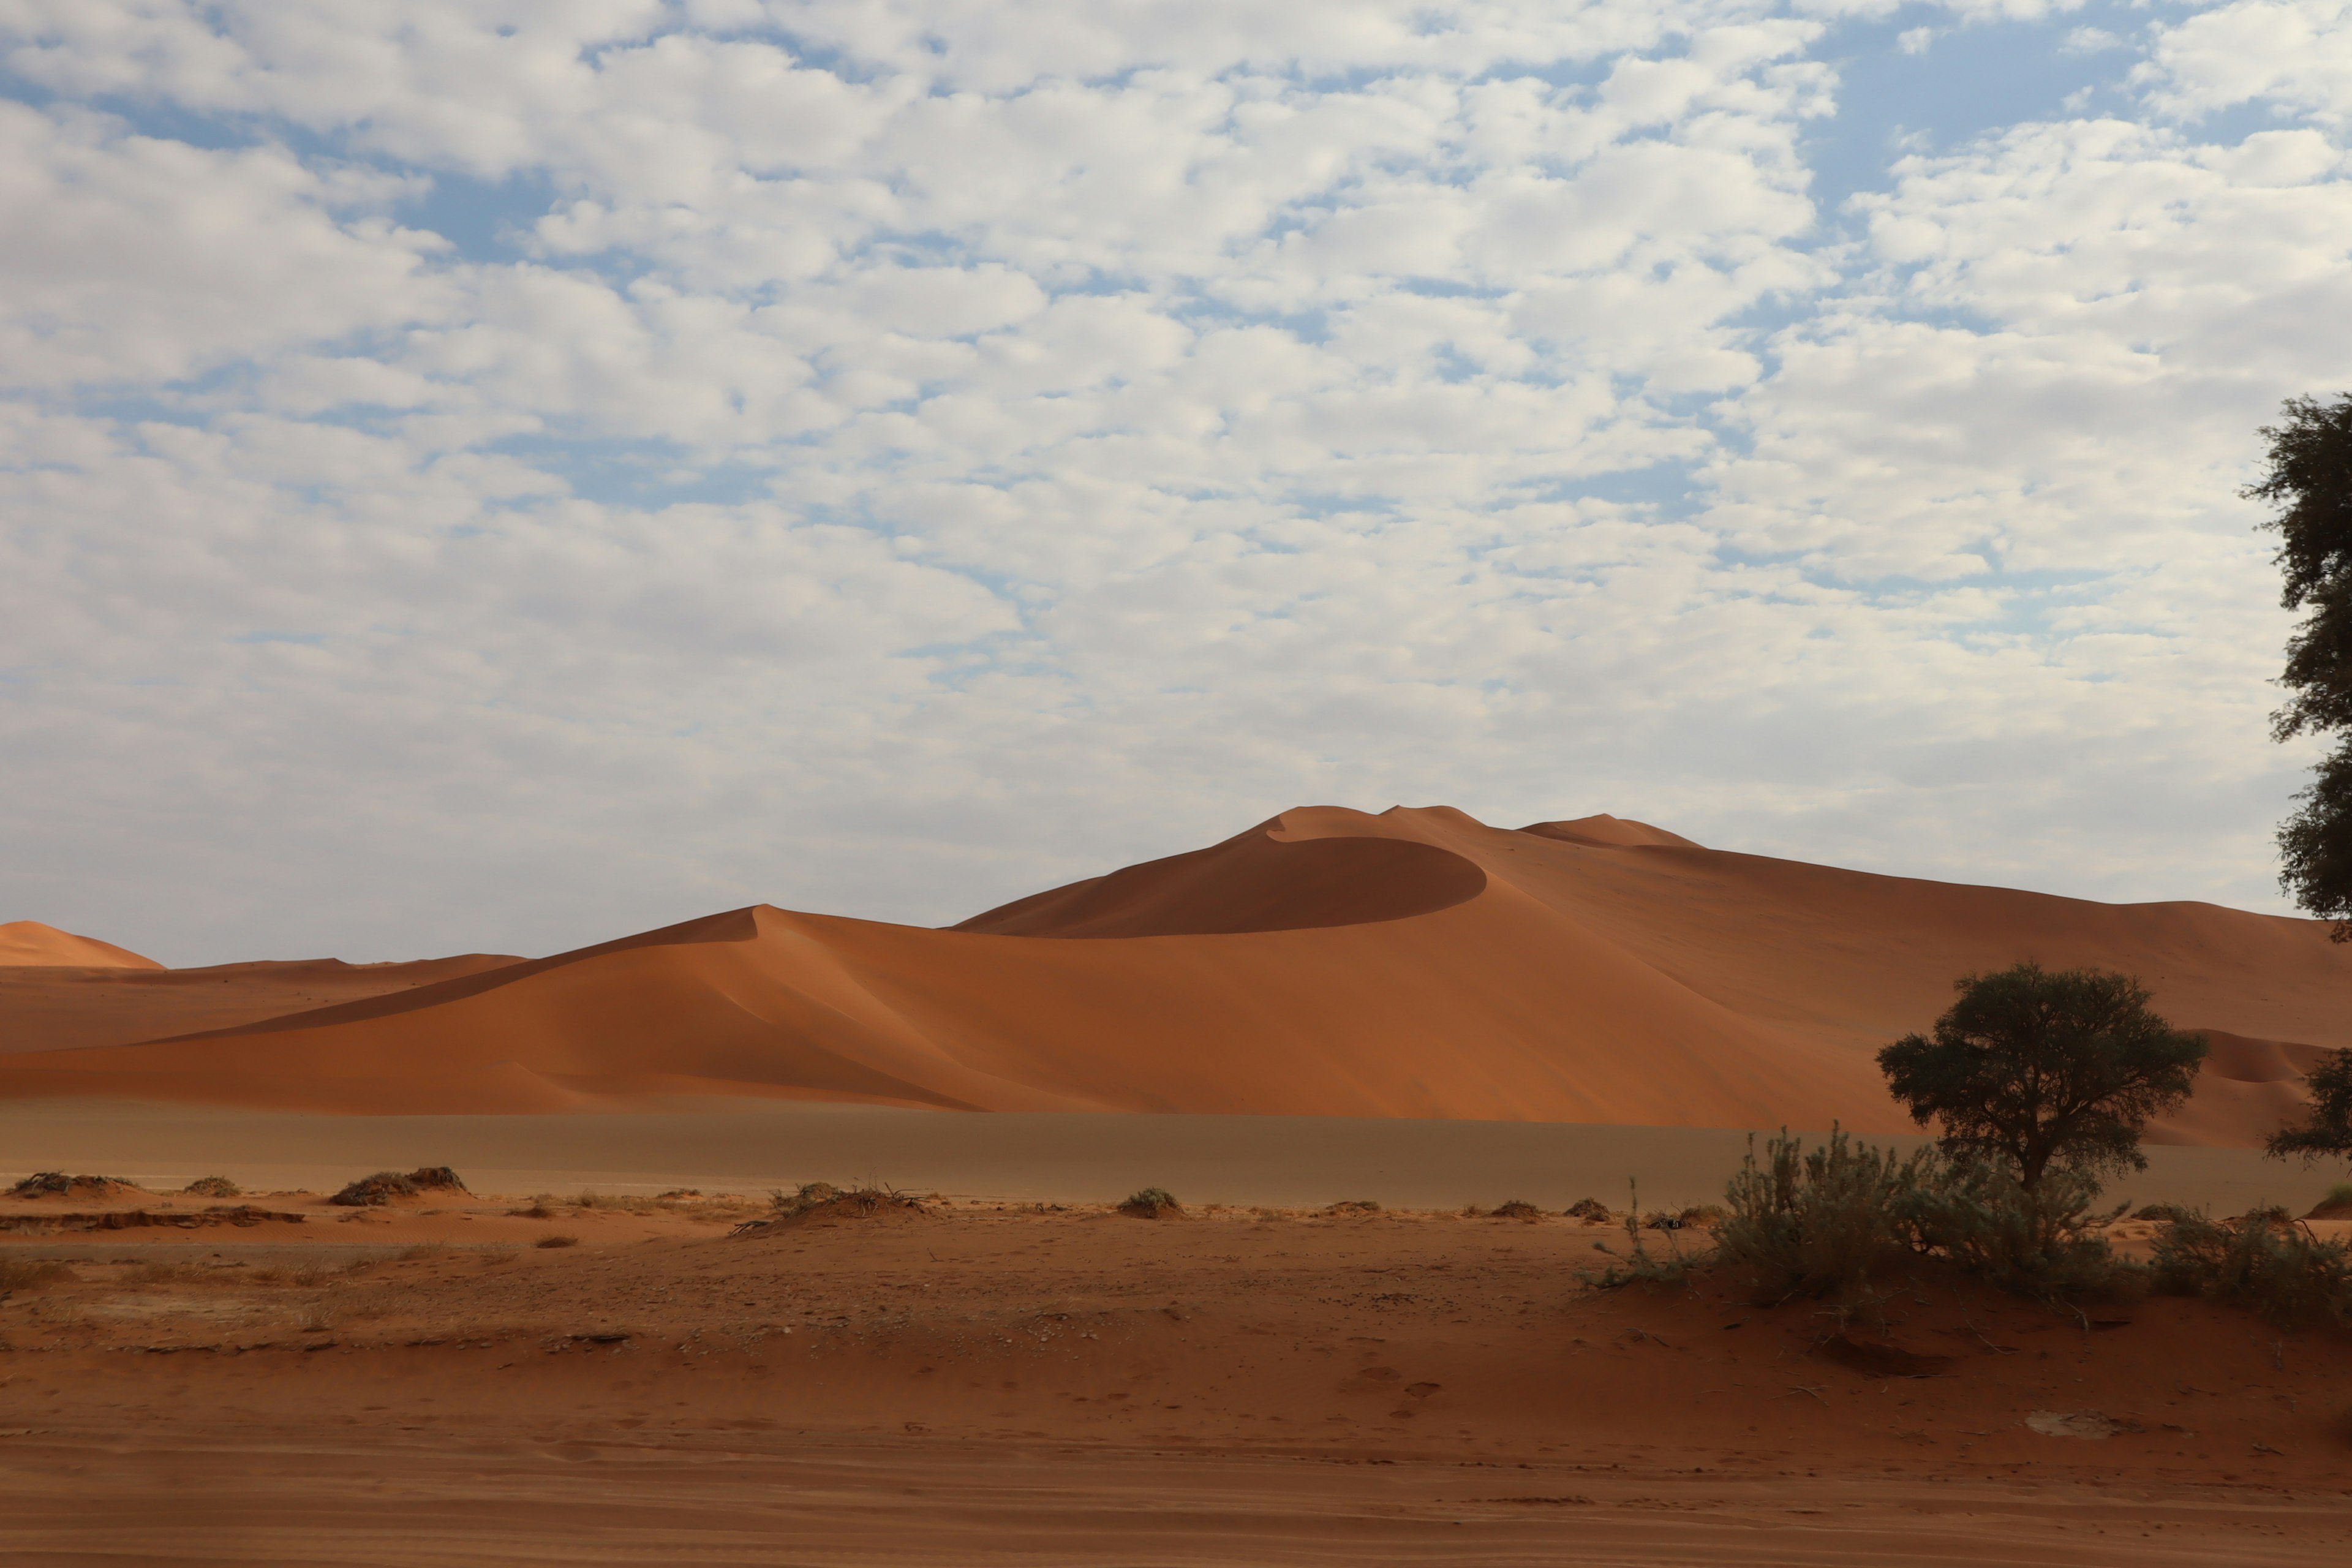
(2043, 1243)
(1151, 1203)
(1825, 1221)
(1818, 1222)
(2262, 1259)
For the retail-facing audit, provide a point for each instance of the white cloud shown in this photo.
(904, 453)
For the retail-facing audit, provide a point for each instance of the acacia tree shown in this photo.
(2309, 480)
(2327, 1128)
(2035, 1070)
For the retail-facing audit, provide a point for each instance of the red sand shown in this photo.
(983, 1384)
(1415, 963)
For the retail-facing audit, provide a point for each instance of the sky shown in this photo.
(498, 475)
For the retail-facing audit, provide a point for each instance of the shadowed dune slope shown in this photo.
(30, 943)
(49, 1008)
(1327, 963)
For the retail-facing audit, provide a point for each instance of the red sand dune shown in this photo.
(1413, 963)
(28, 943)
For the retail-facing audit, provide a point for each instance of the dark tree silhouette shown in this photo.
(2327, 1128)
(2309, 480)
(2033, 1070)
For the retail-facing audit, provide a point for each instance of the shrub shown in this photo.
(1517, 1209)
(1354, 1205)
(58, 1184)
(1150, 1203)
(808, 1195)
(557, 1241)
(2263, 1260)
(374, 1192)
(2044, 1243)
(213, 1187)
(2160, 1212)
(1810, 1223)
(1592, 1211)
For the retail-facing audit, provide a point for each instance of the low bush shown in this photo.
(2336, 1204)
(1819, 1222)
(1592, 1211)
(1825, 1221)
(1354, 1205)
(806, 1197)
(557, 1241)
(58, 1184)
(374, 1192)
(1151, 1203)
(213, 1187)
(2045, 1243)
(1517, 1208)
(2265, 1259)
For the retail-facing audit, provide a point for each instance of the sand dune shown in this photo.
(1414, 963)
(46, 1008)
(26, 943)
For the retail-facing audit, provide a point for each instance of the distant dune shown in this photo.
(1415, 963)
(30, 943)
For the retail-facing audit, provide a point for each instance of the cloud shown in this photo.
(496, 476)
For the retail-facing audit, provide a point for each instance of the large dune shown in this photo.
(30, 943)
(1415, 963)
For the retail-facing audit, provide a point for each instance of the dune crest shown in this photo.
(1326, 962)
(30, 944)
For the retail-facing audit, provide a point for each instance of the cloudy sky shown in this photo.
(498, 474)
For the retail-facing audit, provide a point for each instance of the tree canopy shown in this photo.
(2309, 481)
(2327, 1128)
(2037, 1070)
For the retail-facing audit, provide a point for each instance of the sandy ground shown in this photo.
(1077, 1157)
(981, 1382)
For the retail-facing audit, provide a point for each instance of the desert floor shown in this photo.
(470, 1379)
(752, 1146)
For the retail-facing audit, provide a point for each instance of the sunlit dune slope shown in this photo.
(28, 943)
(1413, 963)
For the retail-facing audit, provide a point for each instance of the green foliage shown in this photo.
(1818, 1222)
(2309, 481)
(2035, 1069)
(1150, 1203)
(2262, 1259)
(2327, 1128)
(2044, 1243)
(1828, 1220)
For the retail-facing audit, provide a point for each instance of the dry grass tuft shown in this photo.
(1517, 1208)
(557, 1241)
(213, 1187)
